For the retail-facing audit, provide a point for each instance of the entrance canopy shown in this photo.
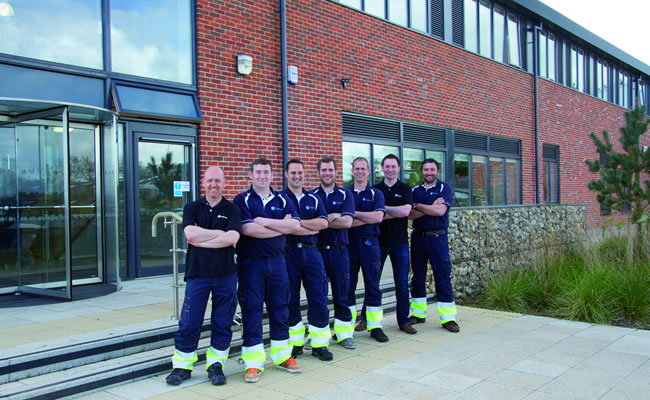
(15, 110)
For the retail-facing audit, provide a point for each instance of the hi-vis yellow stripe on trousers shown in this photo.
(343, 329)
(213, 355)
(280, 351)
(419, 307)
(374, 316)
(253, 356)
(184, 360)
(320, 337)
(447, 311)
(297, 334)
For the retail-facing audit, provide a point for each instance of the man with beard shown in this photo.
(431, 202)
(333, 243)
(305, 265)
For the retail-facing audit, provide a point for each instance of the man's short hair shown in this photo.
(293, 161)
(361, 159)
(261, 161)
(391, 157)
(429, 161)
(326, 160)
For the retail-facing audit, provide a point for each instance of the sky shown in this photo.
(623, 23)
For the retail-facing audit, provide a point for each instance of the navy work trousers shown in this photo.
(364, 255)
(224, 303)
(263, 280)
(337, 267)
(434, 249)
(305, 265)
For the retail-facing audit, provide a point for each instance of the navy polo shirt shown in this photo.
(276, 206)
(340, 201)
(368, 199)
(428, 196)
(309, 206)
(394, 231)
(209, 263)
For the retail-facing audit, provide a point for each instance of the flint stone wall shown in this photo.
(492, 239)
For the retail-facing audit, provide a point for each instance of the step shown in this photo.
(79, 379)
(108, 345)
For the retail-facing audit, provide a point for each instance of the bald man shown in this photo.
(212, 226)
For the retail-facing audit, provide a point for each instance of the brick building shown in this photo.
(150, 95)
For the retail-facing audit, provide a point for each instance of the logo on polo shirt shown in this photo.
(222, 216)
(398, 195)
(272, 208)
(334, 202)
(364, 199)
(307, 207)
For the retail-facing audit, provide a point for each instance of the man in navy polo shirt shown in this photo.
(393, 238)
(267, 216)
(364, 247)
(333, 242)
(211, 226)
(305, 265)
(430, 214)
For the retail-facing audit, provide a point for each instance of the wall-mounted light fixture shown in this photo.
(6, 10)
(344, 82)
(244, 64)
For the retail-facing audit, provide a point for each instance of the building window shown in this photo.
(485, 29)
(471, 25)
(409, 13)
(577, 69)
(47, 31)
(605, 82)
(157, 48)
(547, 56)
(491, 31)
(550, 173)
(622, 96)
(513, 41)
(499, 20)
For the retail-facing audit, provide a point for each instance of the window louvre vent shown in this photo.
(470, 141)
(425, 134)
(550, 152)
(437, 19)
(505, 146)
(359, 126)
(457, 23)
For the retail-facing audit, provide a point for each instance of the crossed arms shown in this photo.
(265, 228)
(437, 209)
(210, 238)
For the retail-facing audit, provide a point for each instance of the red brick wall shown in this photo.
(394, 73)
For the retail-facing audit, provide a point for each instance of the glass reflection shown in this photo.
(497, 192)
(512, 181)
(350, 152)
(62, 31)
(411, 166)
(379, 153)
(152, 39)
(461, 173)
(159, 165)
(479, 184)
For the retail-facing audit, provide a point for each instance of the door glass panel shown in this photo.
(83, 204)
(159, 165)
(41, 217)
(8, 210)
(379, 153)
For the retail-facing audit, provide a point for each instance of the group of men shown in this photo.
(263, 246)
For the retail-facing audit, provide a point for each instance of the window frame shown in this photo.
(386, 14)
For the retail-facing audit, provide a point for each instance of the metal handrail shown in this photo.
(171, 218)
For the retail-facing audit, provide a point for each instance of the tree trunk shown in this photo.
(629, 243)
